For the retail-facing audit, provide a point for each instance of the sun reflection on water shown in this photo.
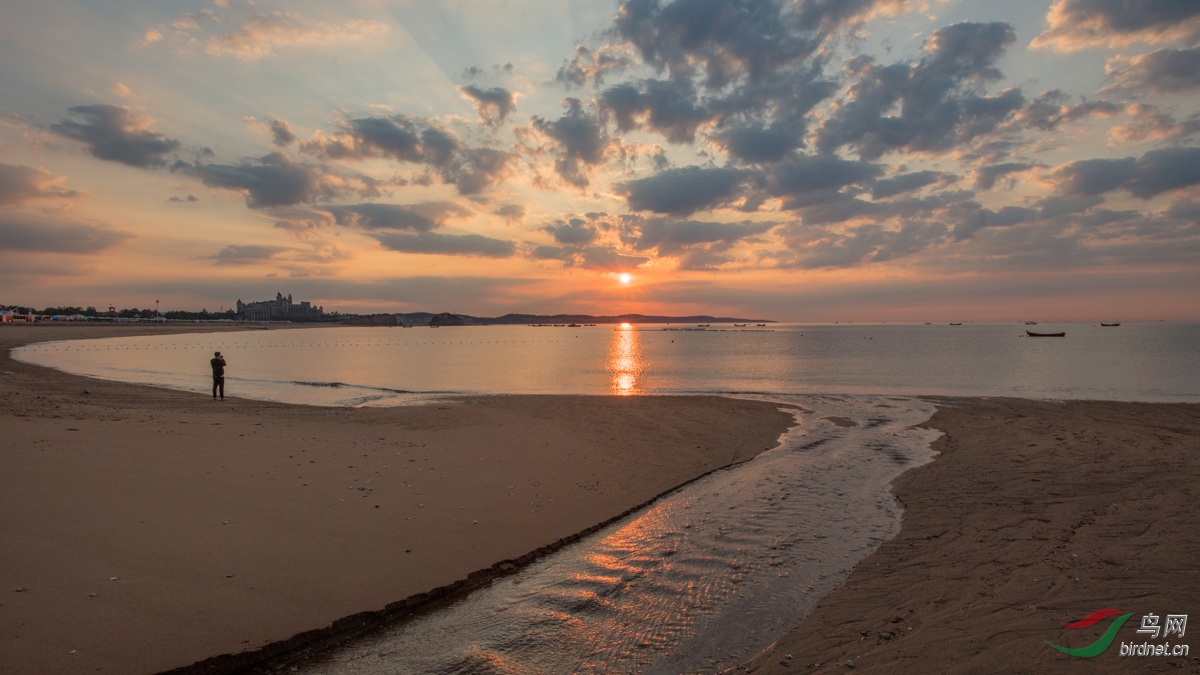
(625, 364)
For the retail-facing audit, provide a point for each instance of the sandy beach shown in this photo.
(147, 529)
(1034, 514)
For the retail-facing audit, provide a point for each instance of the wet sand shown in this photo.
(1034, 514)
(146, 529)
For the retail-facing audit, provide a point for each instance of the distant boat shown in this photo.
(1030, 323)
(927, 323)
(956, 324)
(1033, 334)
(703, 325)
(1110, 324)
(761, 325)
(738, 325)
(574, 325)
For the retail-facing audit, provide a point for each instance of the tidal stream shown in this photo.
(699, 581)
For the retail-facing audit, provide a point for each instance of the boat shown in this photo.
(956, 324)
(1110, 324)
(703, 325)
(760, 325)
(738, 325)
(1030, 323)
(573, 325)
(1033, 334)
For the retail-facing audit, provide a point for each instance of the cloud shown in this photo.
(1162, 72)
(411, 139)
(549, 253)
(938, 110)
(472, 72)
(1050, 109)
(20, 184)
(113, 132)
(608, 259)
(758, 144)
(580, 139)
(263, 34)
(1055, 206)
(574, 232)
(433, 243)
(587, 64)
(1078, 24)
(671, 237)
(513, 213)
(1153, 173)
(282, 132)
(725, 41)
(1092, 177)
(493, 105)
(908, 182)
(684, 191)
(818, 247)
(1150, 123)
(589, 257)
(749, 70)
(970, 217)
(276, 180)
(986, 176)
(244, 254)
(19, 232)
(412, 217)
(189, 198)
(810, 179)
(667, 107)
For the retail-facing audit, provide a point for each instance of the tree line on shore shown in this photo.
(148, 313)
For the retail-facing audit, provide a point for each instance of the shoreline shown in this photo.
(219, 539)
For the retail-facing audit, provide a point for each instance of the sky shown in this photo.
(819, 160)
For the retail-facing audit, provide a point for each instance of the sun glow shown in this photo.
(625, 277)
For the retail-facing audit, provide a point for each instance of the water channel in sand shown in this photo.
(699, 581)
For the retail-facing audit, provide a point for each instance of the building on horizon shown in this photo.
(279, 309)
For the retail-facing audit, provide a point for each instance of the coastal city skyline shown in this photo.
(871, 160)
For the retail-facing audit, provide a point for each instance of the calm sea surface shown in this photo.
(391, 366)
(707, 576)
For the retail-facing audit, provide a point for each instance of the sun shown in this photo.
(625, 277)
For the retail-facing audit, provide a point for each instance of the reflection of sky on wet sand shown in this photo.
(625, 365)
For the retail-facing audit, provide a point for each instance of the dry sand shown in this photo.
(146, 529)
(1034, 514)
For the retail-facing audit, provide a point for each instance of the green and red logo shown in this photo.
(1097, 647)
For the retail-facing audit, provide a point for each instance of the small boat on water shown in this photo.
(1030, 323)
(1033, 334)
(738, 325)
(703, 325)
(1110, 324)
(956, 324)
(760, 325)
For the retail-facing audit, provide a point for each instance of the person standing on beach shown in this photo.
(218, 366)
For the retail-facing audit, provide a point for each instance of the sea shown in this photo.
(707, 576)
(343, 366)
